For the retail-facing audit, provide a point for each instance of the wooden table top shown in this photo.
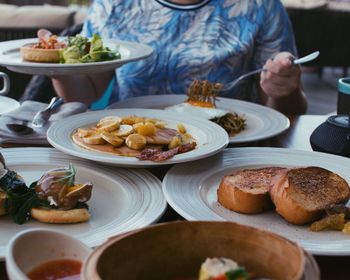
(296, 137)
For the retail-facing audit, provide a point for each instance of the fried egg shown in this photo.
(197, 111)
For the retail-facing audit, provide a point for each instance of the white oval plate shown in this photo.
(10, 57)
(7, 104)
(262, 122)
(210, 137)
(191, 190)
(122, 199)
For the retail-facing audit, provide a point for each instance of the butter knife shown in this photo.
(43, 116)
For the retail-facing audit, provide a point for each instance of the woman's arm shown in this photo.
(83, 88)
(280, 87)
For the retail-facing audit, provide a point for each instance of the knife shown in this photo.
(43, 116)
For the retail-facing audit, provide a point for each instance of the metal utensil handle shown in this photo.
(54, 103)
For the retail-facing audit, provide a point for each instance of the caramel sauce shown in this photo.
(64, 269)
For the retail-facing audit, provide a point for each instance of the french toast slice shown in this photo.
(247, 191)
(302, 194)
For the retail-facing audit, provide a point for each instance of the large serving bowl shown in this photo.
(176, 251)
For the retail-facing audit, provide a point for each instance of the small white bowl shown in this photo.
(32, 247)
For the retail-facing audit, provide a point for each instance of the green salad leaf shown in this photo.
(80, 50)
(18, 204)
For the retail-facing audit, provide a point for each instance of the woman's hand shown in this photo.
(282, 78)
(280, 86)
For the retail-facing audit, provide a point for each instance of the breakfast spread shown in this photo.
(301, 195)
(54, 198)
(75, 49)
(201, 103)
(135, 136)
(222, 269)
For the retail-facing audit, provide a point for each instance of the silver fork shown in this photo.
(42, 116)
(301, 60)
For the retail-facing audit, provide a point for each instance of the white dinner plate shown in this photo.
(7, 104)
(10, 57)
(261, 122)
(191, 190)
(210, 138)
(122, 199)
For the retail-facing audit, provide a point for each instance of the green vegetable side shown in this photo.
(82, 50)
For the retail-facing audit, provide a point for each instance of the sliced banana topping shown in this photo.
(84, 132)
(132, 120)
(160, 124)
(112, 138)
(136, 141)
(95, 139)
(109, 119)
(124, 130)
(175, 142)
(181, 128)
(110, 123)
(147, 129)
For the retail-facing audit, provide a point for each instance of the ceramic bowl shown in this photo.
(30, 248)
(176, 250)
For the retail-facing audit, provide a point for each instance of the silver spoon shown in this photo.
(301, 60)
(19, 128)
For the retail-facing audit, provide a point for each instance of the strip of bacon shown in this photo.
(158, 155)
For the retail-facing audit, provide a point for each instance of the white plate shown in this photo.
(191, 190)
(122, 199)
(262, 122)
(210, 137)
(10, 57)
(7, 104)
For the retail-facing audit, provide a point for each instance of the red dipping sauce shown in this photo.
(63, 269)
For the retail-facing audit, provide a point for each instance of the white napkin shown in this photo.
(25, 114)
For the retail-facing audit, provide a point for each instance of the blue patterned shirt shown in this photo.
(215, 40)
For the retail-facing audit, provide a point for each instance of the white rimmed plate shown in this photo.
(122, 199)
(191, 190)
(10, 57)
(7, 104)
(210, 138)
(262, 122)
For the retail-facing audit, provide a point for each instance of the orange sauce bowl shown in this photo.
(34, 247)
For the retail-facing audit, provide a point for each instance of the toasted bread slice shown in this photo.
(54, 216)
(302, 194)
(247, 191)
